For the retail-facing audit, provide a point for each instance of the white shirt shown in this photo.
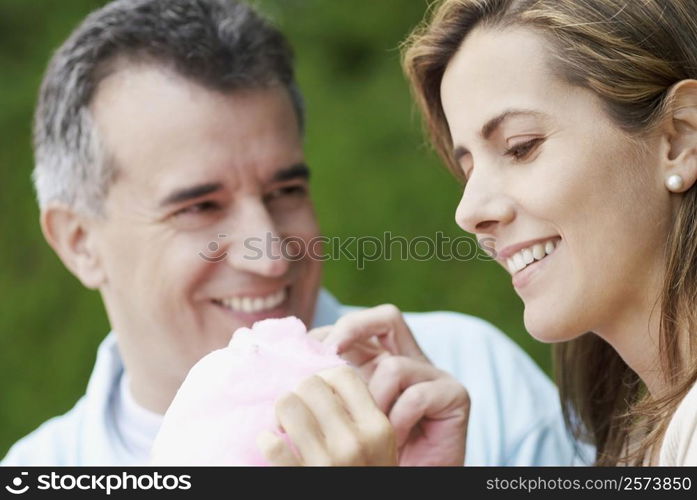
(679, 445)
(136, 426)
(515, 417)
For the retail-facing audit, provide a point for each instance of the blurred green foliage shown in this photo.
(372, 172)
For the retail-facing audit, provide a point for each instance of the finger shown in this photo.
(354, 393)
(362, 352)
(320, 333)
(396, 373)
(298, 422)
(364, 355)
(358, 354)
(334, 421)
(375, 434)
(384, 322)
(276, 450)
(431, 403)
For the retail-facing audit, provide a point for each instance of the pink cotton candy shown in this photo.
(228, 397)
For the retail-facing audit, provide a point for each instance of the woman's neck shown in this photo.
(635, 334)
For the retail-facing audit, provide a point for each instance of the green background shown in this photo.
(372, 172)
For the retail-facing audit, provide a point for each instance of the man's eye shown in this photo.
(198, 208)
(296, 190)
(522, 150)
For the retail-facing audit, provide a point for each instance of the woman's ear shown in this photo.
(72, 236)
(679, 137)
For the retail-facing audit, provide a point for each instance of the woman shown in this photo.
(573, 124)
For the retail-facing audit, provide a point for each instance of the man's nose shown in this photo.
(257, 246)
(484, 205)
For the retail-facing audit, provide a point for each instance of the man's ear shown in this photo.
(679, 134)
(72, 236)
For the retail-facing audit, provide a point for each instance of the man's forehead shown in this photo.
(173, 136)
(126, 77)
(150, 95)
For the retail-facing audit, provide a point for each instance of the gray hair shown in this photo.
(223, 45)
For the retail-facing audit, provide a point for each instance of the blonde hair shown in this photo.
(630, 53)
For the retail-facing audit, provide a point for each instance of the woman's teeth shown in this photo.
(527, 256)
(254, 304)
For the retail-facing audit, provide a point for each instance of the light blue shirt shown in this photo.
(515, 416)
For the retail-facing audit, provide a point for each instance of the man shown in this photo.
(168, 134)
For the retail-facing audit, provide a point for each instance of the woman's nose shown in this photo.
(484, 205)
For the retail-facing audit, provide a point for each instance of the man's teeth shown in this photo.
(254, 304)
(527, 256)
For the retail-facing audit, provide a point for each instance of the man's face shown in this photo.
(206, 181)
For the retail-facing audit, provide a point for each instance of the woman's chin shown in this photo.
(548, 329)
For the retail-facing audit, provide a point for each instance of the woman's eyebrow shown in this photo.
(491, 125)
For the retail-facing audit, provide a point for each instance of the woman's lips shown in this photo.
(523, 277)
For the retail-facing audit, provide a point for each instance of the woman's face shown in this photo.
(578, 214)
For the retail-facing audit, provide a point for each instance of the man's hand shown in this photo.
(331, 419)
(428, 408)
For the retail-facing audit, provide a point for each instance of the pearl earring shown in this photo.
(674, 183)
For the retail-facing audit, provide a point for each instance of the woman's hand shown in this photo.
(331, 419)
(428, 408)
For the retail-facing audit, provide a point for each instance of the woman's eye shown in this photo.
(522, 150)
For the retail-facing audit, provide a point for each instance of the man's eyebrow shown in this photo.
(189, 193)
(297, 171)
(181, 195)
(490, 126)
